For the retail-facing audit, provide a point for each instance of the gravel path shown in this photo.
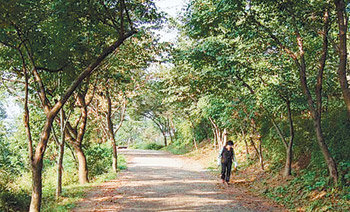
(159, 181)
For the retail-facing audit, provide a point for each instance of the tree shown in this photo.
(30, 29)
(282, 26)
(342, 19)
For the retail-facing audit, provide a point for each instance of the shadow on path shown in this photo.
(159, 181)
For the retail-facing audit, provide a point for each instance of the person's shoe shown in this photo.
(223, 181)
(226, 183)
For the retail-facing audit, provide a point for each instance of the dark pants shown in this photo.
(226, 171)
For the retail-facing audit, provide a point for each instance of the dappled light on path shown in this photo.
(158, 181)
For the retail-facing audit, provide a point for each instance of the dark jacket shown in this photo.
(227, 156)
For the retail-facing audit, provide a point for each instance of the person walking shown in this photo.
(227, 158)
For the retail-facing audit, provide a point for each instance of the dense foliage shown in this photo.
(91, 75)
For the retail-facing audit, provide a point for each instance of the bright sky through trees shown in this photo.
(173, 9)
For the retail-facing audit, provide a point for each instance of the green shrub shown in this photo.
(177, 149)
(12, 198)
(99, 158)
(147, 145)
(153, 146)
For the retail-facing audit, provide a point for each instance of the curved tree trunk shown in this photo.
(332, 167)
(82, 168)
(317, 111)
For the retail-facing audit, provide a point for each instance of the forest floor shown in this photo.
(160, 181)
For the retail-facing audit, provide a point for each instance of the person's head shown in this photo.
(229, 144)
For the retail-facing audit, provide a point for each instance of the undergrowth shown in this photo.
(15, 191)
(308, 189)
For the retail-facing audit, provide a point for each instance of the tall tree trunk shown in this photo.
(194, 135)
(60, 145)
(288, 145)
(342, 20)
(172, 130)
(59, 170)
(115, 156)
(261, 156)
(317, 111)
(217, 134)
(224, 137)
(111, 132)
(254, 146)
(165, 139)
(289, 148)
(60, 157)
(259, 151)
(82, 168)
(246, 144)
(37, 166)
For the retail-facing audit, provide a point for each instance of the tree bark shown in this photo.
(255, 148)
(82, 168)
(37, 165)
(289, 148)
(59, 171)
(194, 135)
(35, 203)
(217, 134)
(111, 131)
(26, 118)
(60, 157)
(342, 20)
(246, 144)
(115, 156)
(261, 156)
(165, 139)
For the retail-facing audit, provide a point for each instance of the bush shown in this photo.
(153, 146)
(99, 158)
(148, 145)
(11, 198)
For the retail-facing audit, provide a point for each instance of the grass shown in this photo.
(73, 194)
(15, 192)
(70, 196)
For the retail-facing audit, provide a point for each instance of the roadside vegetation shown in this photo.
(90, 76)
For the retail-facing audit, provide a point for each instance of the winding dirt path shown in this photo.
(159, 181)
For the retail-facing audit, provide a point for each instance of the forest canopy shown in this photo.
(90, 76)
